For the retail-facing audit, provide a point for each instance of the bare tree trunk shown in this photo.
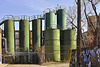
(98, 20)
(78, 33)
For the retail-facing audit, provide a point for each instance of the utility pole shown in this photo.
(78, 33)
(0, 46)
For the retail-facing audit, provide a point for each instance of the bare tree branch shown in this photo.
(87, 17)
(94, 6)
(71, 15)
(76, 2)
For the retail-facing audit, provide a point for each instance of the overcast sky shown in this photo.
(30, 7)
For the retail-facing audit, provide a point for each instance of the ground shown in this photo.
(33, 65)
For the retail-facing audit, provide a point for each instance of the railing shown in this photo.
(47, 10)
(60, 7)
(21, 17)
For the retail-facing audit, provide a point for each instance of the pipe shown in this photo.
(5, 42)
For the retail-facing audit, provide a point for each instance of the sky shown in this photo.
(30, 7)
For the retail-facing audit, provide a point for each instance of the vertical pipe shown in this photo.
(41, 32)
(23, 37)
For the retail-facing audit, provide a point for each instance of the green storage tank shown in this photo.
(52, 44)
(36, 33)
(50, 20)
(69, 41)
(23, 37)
(9, 35)
(61, 19)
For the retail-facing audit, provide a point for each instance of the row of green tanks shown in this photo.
(58, 41)
(9, 34)
(24, 46)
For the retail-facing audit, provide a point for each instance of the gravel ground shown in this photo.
(33, 65)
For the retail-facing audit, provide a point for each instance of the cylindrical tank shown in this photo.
(61, 19)
(69, 41)
(23, 37)
(9, 35)
(36, 33)
(50, 20)
(52, 44)
(71, 35)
